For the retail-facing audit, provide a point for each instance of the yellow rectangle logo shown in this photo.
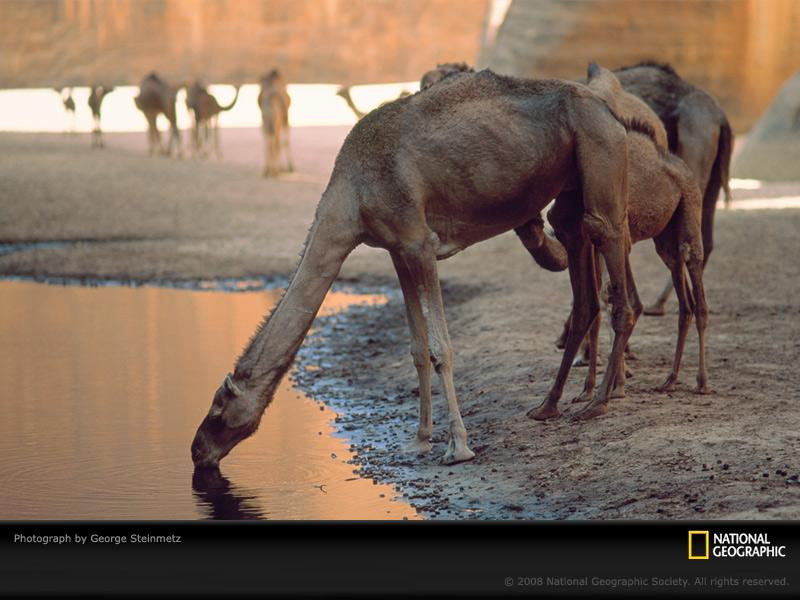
(698, 545)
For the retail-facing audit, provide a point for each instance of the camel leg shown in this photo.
(675, 264)
(701, 318)
(421, 264)
(590, 342)
(287, 150)
(585, 306)
(419, 352)
(618, 390)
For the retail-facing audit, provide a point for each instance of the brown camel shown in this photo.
(443, 71)
(205, 111)
(156, 97)
(405, 180)
(698, 132)
(344, 93)
(96, 95)
(274, 101)
(664, 204)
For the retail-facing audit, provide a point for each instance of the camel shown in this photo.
(442, 71)
(698, 132)
(665, 205)
(344, 93)
(69, 106)
(406, 181)
(205, 111)
(157, 97)
(96, 95)
(274, 101)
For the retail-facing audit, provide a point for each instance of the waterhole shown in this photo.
(104, 387)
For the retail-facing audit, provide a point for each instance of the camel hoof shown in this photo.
(702, 389)
(617, 392)
(544, 412)
(584, 396)
(458, 455)
(591, 411)
(668, 385)
(418, 446)
(580, 361)
(655, 310)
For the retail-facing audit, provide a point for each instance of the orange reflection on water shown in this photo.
(104, 388)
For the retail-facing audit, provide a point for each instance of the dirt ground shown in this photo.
(731, 454)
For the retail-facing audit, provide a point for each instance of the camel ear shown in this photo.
(593, 70)
(230, 386)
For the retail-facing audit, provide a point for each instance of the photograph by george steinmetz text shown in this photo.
(508, 286)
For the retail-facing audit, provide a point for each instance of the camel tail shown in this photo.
(333, 235)
(723, 163)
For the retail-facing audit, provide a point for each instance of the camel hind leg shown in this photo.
(604, 172)
(419, 352)
(419, 259)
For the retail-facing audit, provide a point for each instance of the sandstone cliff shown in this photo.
(47, 43)
(740, 50)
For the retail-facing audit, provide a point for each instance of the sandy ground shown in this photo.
(731, 454)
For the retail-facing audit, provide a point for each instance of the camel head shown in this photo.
(234, 415)
(605, 84)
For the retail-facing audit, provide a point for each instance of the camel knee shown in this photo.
(441, 356)
(420, 356)
(622, 319)
(599, 230)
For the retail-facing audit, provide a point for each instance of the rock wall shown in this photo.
(53, 43)
(739, 50)
(772, 149)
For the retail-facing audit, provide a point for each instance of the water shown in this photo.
(103, 389)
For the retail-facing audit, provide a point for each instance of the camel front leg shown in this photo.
(421, 443)
(420, 261)
(217, 147)
(695, 268)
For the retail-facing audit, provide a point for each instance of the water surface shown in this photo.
(104, 387)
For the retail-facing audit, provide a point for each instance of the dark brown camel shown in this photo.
(97, 94)
(274, 102)
(205, 110)
(156, 97)
(698, 132)
(405, 180)
(664, 204)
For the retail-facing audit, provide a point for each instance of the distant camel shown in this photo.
(344, 93)
(205, 110)
(274, 101)
(407, 181)
(96, 96)
(442, 71)
(158, 97)
(698, 132)
(69, 106)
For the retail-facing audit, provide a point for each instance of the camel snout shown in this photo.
(203, 453)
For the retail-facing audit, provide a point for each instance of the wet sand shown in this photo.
(731, 454)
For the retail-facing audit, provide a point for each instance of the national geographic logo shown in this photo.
(703, 545)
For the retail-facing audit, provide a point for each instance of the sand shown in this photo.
(731, 454)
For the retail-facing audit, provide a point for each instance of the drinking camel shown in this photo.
(407, 181)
